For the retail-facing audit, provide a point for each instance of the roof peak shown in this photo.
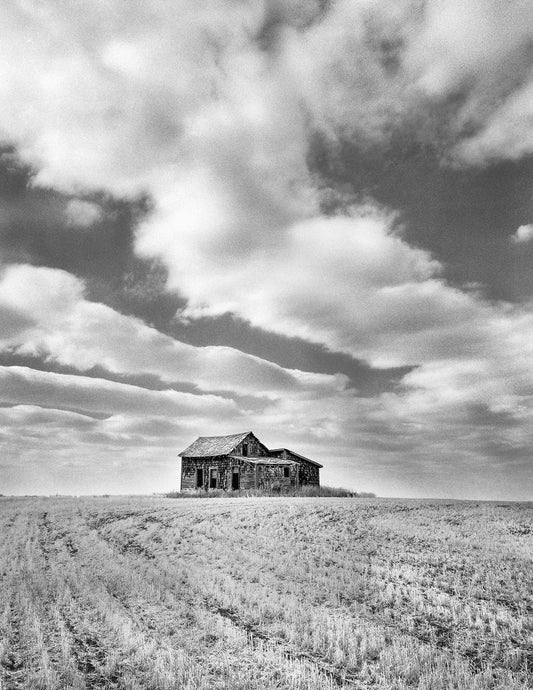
(208, 446)
(298, 455)
(242, 433)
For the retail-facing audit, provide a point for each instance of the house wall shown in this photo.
(224, 466)
(309, 473)
(272, 478)
(247, 475)
(255, 448)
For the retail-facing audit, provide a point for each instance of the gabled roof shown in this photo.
(275, 451)
(208, 446)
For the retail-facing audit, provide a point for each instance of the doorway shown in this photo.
(213, 476)
(199, 478)
(235, 479)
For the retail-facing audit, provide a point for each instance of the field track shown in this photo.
(242, 593)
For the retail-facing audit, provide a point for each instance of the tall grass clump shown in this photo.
(303, 491)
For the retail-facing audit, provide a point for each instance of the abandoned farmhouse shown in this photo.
(240, 462)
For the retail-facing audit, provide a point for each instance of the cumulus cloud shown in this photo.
(363, 72)
(108, 77)
(48, 315)
(453, 74)
(233, 88)
(222, 101)
(523, 234)
(351, 283)
(12, 322)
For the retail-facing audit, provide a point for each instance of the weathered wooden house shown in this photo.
(241, 461)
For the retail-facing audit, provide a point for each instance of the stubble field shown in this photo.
(265, 593)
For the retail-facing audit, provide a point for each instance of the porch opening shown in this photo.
(235, 479)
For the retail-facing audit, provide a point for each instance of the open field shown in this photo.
(265, 593)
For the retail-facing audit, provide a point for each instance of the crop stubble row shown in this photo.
(288, 593)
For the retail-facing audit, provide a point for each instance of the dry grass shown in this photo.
(265, 593)
(305, 491)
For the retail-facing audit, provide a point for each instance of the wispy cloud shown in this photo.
(63, 391)
(82, 213)
(523, 234)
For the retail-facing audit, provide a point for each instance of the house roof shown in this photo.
(208, 446)
(264, 460)
(296, 455)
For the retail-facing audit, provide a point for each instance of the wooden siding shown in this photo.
(252, 474)
(223, 465)
(269, 478)
(272, 477)
(255, 448)
(309, 472)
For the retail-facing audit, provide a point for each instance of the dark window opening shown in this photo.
(235, 479)
(199, 477)
(213, 478)
(245, 449)
(286, 472)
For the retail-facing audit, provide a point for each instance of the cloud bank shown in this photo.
(212, 109)
(45, 313)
